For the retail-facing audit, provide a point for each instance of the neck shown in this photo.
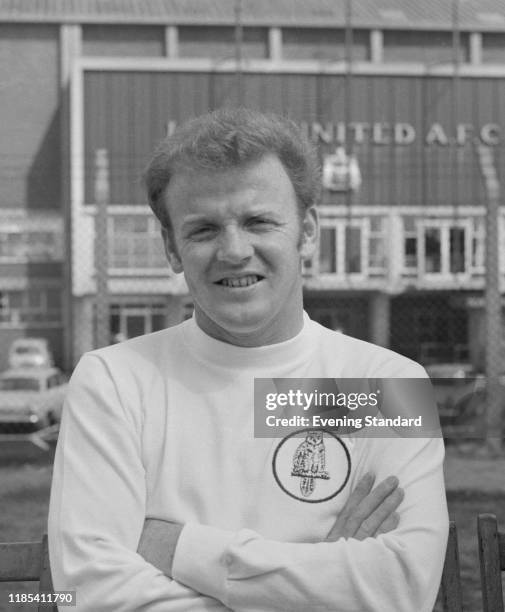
(272, 332)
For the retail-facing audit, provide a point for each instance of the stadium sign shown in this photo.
(383, 133)
(400, 133)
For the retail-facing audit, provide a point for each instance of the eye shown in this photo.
(202, 232)
(260, 222)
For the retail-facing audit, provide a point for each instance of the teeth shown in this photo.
(245, 281)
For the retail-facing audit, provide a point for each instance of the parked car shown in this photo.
(26, 352)
(31, 399)
(460, 392)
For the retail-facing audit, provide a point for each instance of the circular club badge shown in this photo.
(311, 465)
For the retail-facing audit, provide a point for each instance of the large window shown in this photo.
(493, 47)
(135, 319)
(352, 247)
(323, 44)
(425, 247)
(123, 40)
(218, 42)
(428, 47)
(34, 308)
(438, 247)
(136, 243)
(17, 245)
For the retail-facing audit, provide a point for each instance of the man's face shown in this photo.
(239, 239)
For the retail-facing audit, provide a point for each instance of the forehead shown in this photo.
(263, 182)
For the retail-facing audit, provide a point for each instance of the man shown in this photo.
(156, 451)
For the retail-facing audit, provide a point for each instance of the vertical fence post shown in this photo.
(492, 301)
(239, 40)
(102, 196)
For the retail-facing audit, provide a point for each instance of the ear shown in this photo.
(310, 233)
(171, 250)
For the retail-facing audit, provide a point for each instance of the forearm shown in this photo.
(391, 572)
(158, 543)
(401, 569)
(98, 507)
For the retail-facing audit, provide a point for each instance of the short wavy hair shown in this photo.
(230, 138)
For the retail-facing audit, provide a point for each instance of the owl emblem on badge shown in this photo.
(309, 462)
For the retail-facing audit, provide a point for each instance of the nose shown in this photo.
(234, 245)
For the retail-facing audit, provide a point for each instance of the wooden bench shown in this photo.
(492, 562)
(27, 562)
(450, 585)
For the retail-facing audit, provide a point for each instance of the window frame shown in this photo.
(444, 225)
(150, 237)
(25, 315)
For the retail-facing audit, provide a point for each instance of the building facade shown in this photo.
(400, 106)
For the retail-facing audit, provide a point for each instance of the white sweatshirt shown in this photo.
(161, 426)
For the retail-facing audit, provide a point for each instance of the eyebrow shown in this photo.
(202, 218)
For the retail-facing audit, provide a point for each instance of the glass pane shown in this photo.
(376, 255)
(157, 322)
(139, 224)
(140, 254)
(15, 299)
(41, 245)
(14, 245)
(352, 250)
(478, 244)
(219, 42)
(158, 257)
(457, 249)
(432, 253)
(135, 325)
(376, 224)
(410, 252)
(328, 250)
(53, 297)
(409, 224)
(121, 224)
(34, 298)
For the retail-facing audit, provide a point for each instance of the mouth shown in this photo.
(240, 282)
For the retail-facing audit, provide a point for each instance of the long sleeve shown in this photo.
(396, 571)
(98, 505)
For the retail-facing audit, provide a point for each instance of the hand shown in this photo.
(369, 513)
(157, 543)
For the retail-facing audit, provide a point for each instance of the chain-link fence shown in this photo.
(415, 279)
(421, 280)
(411, 216)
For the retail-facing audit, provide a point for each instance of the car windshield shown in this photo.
(19, 384)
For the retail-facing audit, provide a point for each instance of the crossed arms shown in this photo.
(372, 558)
(366, 514)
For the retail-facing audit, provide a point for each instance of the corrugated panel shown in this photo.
(127, 113)
(476, 14)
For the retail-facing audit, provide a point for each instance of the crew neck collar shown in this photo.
(217, 352)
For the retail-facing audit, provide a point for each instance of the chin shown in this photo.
(245, 325)
(242, 323)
